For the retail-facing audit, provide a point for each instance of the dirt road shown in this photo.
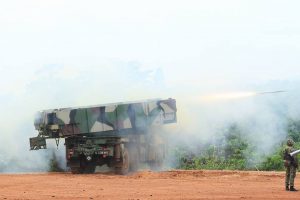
(147, 185)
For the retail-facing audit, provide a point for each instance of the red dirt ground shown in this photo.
(148, 185)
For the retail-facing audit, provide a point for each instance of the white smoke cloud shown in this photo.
(262, 118)
(65, 85)
(72, 53)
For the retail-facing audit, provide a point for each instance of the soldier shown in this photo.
(291, 165)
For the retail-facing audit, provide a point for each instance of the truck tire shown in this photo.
(84, 168)
(134, 159)
(124, 169)
(76, 170)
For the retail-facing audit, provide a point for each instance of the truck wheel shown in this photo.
(85, 167)
(76, 170)
(125, 164)
(134, 159)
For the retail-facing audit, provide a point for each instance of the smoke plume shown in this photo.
(65, 85)
(262, 118)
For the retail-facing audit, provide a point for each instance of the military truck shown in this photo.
(120, 135)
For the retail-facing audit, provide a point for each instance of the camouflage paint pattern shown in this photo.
(116, 117)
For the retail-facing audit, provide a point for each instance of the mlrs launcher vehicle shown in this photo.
(120, 135)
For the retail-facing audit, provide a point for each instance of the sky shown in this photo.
(193, 42)
(62, 53)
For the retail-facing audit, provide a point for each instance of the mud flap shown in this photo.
(37, 143)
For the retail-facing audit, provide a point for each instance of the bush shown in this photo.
(54, 164)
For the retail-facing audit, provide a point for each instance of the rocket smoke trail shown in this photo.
(279, 91)
(234, 95)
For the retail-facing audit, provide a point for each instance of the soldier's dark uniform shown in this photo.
(291, 165)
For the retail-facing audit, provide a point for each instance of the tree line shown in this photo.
(235, 151)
